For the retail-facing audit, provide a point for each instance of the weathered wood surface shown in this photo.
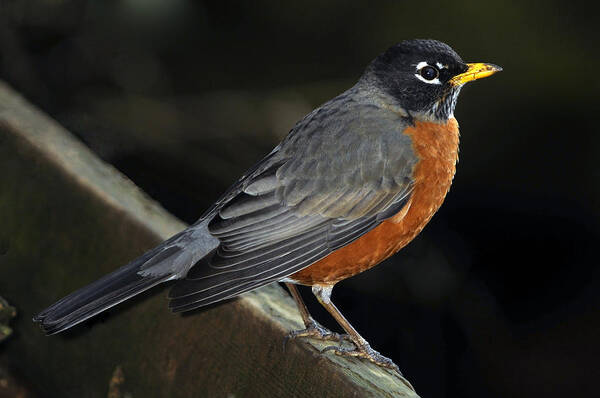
(68, 218)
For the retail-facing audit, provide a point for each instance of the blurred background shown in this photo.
(499, 296)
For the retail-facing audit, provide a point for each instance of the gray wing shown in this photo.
(341, 171)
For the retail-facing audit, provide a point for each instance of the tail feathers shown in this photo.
(170, 260)
(96, 297)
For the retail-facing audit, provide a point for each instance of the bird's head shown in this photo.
(425, 77)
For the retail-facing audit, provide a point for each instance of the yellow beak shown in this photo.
(476, 71)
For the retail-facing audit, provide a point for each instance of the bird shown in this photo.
(352, 183)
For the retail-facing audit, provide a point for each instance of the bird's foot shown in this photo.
(316, 331)
(364, 351)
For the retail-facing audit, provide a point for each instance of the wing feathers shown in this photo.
(212, 294)
(340, 172)
(226, 227)
(246, 204)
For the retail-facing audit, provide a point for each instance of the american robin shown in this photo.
(352, 183)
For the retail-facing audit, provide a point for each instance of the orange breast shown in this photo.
(436, 146)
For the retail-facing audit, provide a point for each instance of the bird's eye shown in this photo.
(429, 72)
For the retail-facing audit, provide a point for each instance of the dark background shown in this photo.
(499, 296)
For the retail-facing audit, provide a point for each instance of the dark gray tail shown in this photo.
(95, 298)
(170, 260)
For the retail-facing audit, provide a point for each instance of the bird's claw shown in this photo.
(316, 331)
(319, 332)
(366, 352)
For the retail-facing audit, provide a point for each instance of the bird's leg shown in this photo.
(311, 327)
(362, 348)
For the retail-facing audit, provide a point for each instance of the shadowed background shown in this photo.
(501, 289)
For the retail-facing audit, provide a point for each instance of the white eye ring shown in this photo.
(420, 66)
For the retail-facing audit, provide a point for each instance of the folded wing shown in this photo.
(334, 178)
